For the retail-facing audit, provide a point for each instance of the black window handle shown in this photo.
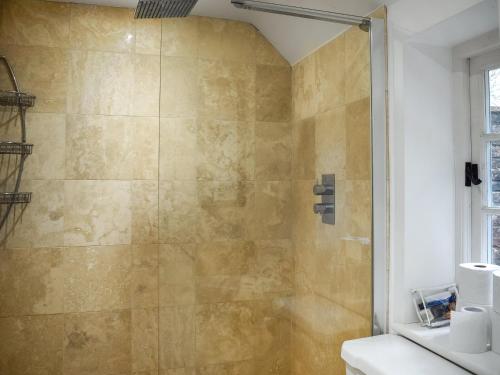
(472, 174)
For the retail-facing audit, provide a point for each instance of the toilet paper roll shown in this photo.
(488, 308)
(496, 291)
(475, 282)
(495, 337)
(469, 330)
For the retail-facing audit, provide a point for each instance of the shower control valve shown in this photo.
(326, 190)
(323, 208)
(323, 189)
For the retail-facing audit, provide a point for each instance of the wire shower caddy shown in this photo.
(21, 100)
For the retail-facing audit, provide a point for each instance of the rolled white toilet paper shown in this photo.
(495, 337)
(496, 291)
(475, 283)
(469, 330)
(487, 308)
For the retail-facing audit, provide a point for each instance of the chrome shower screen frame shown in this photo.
(314, 14)
(378, 68)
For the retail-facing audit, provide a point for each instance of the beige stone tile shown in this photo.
(144, 201)
(273, 210)
(254, 330)
(97, 213)
(227, 90)
(226, 209)
(229, 368)
(102, 28)
(35, 23)
(101, 83)
(266, 53)
(304, 149)
(111, 147)
(273, 93)
(31, 281)
(179, 37)
(272, 347)
(313, 356)
(178, 149)
(243, 270)
(148, 36)
(275, 268)
(179, 87)
(176, 278)
(145, 162)
(147, 69)
(40, 223)
(273, 151)
(226, 40)
(303, 218)
(236, 342)
(42, 72)
(179, 212)
(47, 133)
(358, 155)
(357, 62)
(179, 371)
(357, 296)
(144, 276)
(97, 278)
(32, 345)
(224, 271)
(177, 337)
(331, 143)
(305, 94)
(331, 74)
(305, 269)
(358, 208)
(226, 150)
(97, 343)
(145, 340)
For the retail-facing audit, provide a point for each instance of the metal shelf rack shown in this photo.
(16, 99)
(15, 148)
(21, 100)
(15, 198)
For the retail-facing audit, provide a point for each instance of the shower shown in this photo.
(164, 8)
(179, 156)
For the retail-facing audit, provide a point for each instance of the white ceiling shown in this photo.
(294, 38)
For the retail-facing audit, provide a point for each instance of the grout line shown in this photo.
(158, 330)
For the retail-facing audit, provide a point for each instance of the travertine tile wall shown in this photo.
(226, 256)
(159, 236)
(331, 134)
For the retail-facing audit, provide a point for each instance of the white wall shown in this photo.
(423, 179)
(423, 136)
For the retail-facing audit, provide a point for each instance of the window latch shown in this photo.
(472, 174)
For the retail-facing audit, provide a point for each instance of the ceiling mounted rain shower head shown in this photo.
(164, 8)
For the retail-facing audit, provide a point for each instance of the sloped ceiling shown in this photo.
(293, 37)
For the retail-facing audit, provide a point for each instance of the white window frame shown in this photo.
(480, 138)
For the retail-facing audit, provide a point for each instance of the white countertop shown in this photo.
(437, 340)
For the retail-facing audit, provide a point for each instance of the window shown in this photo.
(485, 126)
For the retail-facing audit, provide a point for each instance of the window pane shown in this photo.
(494, 239)
(494, 174)
(494, 100)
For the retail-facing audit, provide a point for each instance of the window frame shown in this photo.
(481, 138)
